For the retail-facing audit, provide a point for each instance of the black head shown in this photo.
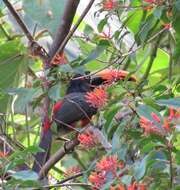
(79, 83)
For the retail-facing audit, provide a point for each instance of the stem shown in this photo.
(170, 165)
(69, 146)
(152, 57)
(5, 32)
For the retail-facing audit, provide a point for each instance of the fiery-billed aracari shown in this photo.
(74, 106)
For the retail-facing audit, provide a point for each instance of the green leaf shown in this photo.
(11, 68)
(140, 168)
(46, 13)
(25, 96)
(25, 175)
(172, 102)
(94, 54)
(54, 92)
(101, 24)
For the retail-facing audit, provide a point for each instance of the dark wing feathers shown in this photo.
(74, 108)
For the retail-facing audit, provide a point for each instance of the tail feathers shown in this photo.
(42, 157)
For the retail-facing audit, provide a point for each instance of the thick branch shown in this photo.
(70, 34)
(65, 25)
(69, 146)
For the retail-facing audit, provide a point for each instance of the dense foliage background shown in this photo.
(140, 120)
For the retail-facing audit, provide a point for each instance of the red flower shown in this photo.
(150, 127)
(167, 26)
(166, 124)
(155, 117)
(171, 114)
(3, 154)
(132, 186)
(121, 165)
(119, 187)
(149, 1)
(98, 179)
(72, 171)
(87, 139)
(109, 4)
(59, 59)
(97, 98)
(108, 164)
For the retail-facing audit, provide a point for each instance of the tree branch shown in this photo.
(19, 20)
(65, 25)
(70, 34)
(69, 146)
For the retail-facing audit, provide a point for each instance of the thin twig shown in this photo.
(19, 20)
(69, 146)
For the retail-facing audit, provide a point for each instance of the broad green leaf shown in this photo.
(140, 168)
(46, 13)
(94, 54)
(25, 175)
(54, 92)
(12, 65)
(101, 24)
(172, 102)
(25, 96)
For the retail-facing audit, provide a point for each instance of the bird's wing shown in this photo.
(73, 108)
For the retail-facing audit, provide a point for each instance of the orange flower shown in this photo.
(59, 59)
(97, 98)
(171, 114)
(87, 139)
(98, 179)
(108, 164)
(72, 171)
(132, 186)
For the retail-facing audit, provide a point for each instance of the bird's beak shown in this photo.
(111, 75)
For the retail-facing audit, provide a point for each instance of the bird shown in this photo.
(77, 105)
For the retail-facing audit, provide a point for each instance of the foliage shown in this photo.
(142, 37)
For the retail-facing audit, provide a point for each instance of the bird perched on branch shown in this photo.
(83, 97)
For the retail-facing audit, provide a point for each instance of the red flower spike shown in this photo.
(97, 98)
(155, 117)
(108, 164)
(167, 26)
(97, 179)
(87, 140)
(72, 171)
(166, 124)
(171, 114)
